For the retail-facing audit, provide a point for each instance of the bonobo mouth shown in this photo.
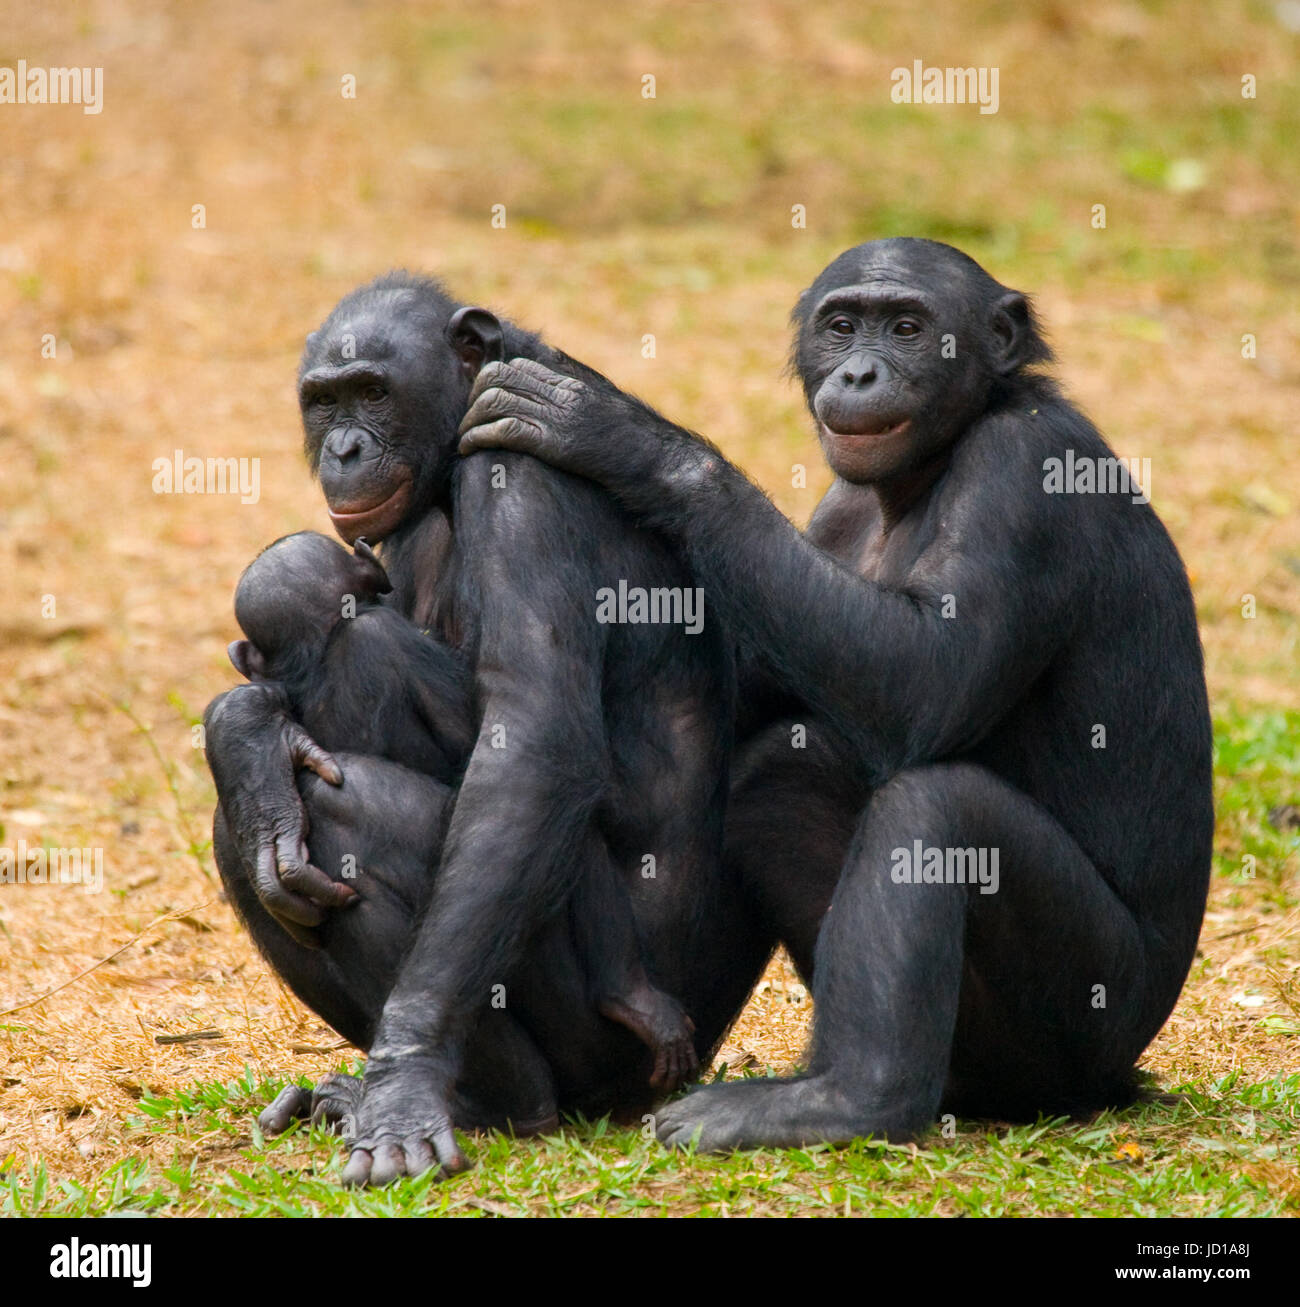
(374, 521)
(866, 432)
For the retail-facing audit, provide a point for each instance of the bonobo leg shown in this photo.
(996, 996)
(381, 830)
(609, 948)
(793, 808)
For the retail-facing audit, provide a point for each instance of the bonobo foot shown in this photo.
(336, 1097)
(778, 1114)
(402, 1125)
(328, 1102)
(660, 1022)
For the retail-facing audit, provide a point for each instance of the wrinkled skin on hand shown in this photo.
(255, 750)
(610, 438)
(531, 409)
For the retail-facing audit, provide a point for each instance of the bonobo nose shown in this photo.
(859, 374)
(344, 446)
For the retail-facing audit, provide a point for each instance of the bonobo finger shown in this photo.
(507, 433)
(502, 403)
(288, 909)
(301, 879)
(529, 374)
(419, 1155)
(520, 374)
(491, 404)
(516, 394)
(389, 1164)
(334, 1098)
(291, 1104)
(305, 752)
(450, 1158)
(357, 1171)
(486, 379)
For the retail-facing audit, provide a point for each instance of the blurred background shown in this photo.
(327, 142)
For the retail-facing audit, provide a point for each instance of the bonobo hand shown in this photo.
(588, 428)
(526, 407)
(254, 749)
(403, 1124)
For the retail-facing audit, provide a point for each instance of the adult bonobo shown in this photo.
(598, 747)
(1003, 811)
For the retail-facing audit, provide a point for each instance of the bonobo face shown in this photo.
(382, 387)
(899, 344)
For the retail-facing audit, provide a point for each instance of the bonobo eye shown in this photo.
(323, 400)
(840, 326)
(907, 327)
(376, 393)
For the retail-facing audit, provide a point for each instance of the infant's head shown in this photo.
(292, 595)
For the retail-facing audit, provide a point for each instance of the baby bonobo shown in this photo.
(363, 678)
(359, 676)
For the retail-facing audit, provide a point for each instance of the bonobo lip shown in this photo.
(896, 429)
(374, 521)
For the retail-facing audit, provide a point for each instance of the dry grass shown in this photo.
(627, 217)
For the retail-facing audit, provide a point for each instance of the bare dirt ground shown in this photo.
(115, 601)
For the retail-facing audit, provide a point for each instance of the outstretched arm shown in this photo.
(976, 624)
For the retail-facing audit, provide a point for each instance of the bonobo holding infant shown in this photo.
(359, 676)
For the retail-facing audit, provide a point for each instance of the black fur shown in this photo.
(931, 662)
(596, 745)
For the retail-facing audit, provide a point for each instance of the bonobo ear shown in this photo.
(248, 660)
(476, 336)
(373, 577)
(1014, 334)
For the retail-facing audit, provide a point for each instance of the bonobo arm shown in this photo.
(905, 675)
(254, 749)
(523, 811)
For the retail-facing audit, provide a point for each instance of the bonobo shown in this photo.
(600, 762)
(360, 676)
(974, 793)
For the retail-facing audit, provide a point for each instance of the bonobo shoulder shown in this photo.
(1005, 452)
(372, 624)
(511, 499)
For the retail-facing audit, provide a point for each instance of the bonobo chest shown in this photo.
(850, 526)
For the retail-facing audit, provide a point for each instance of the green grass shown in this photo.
(1155, 129)
(1208, 1154)
(1257, 769)
(1224, 1149)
